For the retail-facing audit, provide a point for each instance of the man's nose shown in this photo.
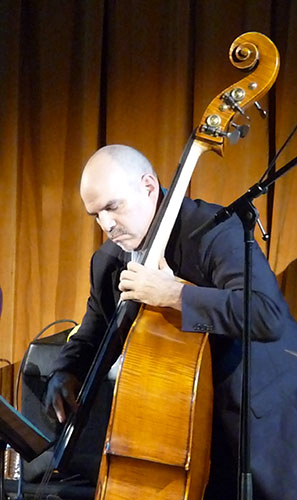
(106, 221)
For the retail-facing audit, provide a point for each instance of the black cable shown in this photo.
(273, 161)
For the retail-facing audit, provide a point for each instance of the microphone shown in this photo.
(220, 216)
(243, 206)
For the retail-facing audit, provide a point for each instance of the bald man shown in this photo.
(121, 191)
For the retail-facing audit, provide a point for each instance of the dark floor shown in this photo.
(55, 490)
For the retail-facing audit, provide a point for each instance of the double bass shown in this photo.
(159, 434)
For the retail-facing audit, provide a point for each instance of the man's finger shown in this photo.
(129, 296)
(125, 285)
(59, 408)
(134, 266)
(126, 275)
(70, 398)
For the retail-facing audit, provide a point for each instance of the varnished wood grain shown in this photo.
(159, 400)
(263, 72)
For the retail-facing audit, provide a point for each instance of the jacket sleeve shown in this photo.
(77, 354)
(218, 307)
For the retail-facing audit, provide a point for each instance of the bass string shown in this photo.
(45, 479)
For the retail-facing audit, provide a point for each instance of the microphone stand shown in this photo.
(248, 215)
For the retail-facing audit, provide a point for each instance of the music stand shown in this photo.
(21, 435)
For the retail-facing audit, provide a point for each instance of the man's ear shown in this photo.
(151, 185)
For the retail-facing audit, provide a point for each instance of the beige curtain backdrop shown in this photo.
(78, 74)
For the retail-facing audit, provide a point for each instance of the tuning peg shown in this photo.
(242, 129)
(233, 136)
(262, 111)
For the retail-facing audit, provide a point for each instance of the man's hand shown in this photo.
(62, 391)
(155, 287)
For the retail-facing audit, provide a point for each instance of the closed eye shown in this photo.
(112, 207)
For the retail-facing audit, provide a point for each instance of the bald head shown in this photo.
(133, 163)
(120, 188)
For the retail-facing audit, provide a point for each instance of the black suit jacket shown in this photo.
(215, 263)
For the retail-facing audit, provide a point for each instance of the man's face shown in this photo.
(123, 208)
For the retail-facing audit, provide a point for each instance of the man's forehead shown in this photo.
(105, 192)
(102, 174)
(104, 182)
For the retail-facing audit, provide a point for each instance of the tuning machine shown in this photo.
(212, 127)
(240, 132)
(232, 100)
(242, 129)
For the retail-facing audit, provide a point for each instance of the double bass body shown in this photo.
(158, 440)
